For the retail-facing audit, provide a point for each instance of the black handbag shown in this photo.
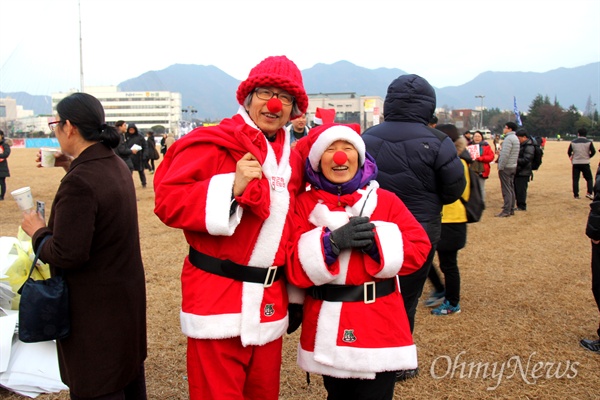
(44, 307)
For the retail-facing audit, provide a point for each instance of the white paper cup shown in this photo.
(24, 198)
(48, 158)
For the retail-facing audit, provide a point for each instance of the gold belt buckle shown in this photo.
(270, 278)
(369, 287)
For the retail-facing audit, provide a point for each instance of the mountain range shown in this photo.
(212, 92)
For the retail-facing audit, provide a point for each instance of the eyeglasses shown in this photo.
(266, 94)
(52, 125)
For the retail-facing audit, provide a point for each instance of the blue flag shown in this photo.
(517, 115)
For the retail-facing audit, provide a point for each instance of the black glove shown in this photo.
(357, 233)
(295, 312)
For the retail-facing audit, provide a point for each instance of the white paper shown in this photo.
(7, 331)
(473, 151)
(6, 297)
(33, 368)
(136, 147)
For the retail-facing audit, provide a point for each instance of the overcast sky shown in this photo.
(448, 42)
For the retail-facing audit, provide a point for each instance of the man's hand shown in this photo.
(247, 168)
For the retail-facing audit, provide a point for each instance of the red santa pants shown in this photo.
(224, 369)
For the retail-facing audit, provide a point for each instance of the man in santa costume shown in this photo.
(351, 242)
(229, 188)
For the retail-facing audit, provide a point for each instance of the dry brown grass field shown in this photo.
(526, 299)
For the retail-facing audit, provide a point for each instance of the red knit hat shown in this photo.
(279, 72)
(321, 137)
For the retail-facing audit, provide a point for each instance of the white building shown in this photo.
(16, 121)
(144, 109)
(349, 108)
(8, 113)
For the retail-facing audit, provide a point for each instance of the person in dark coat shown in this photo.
(417, 163)
(94, 243)
(523, 174)
(454, 234)
(4, 171)
(139, 158)
(163, 144)
(592, 231)
(152, 152)
(122, 150)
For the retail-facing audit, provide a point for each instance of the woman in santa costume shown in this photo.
(229, 188)
(353, 238)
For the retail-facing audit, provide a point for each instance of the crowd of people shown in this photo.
(327, 230)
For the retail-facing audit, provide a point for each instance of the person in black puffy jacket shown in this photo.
(524, 172)
(139, 157)
(417, 163)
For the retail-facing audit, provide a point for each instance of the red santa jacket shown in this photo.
(485, 157)
(355, 339)
(193, 187)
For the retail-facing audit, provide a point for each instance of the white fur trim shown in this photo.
(392, 248)
(270, 235)
(356, 359)
(253, 332)
(242, 112)
(365, 362)
(322, 216)
(311, 257)
(252, 295)
(225, 326)
(317, 120)
(306, 361)
(327, 329)
(330, 135)
(218, 200)
(346, 358)
(210, 326)
(265, 249)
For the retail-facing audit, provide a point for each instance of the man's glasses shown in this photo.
(266, 94)
(52, 125)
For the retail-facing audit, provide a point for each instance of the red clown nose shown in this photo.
(274, 105)
(340, 158)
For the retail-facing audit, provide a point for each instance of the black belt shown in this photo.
(366, 292)
(229, 269)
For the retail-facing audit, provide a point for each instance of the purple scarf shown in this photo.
(364, 175)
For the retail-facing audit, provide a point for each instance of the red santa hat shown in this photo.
(324, 116)
(321, 137)
(279, 72)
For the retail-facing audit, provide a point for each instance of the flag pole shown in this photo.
(80, 51)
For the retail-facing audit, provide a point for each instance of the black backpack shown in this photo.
(538, 153)
(475, 205)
